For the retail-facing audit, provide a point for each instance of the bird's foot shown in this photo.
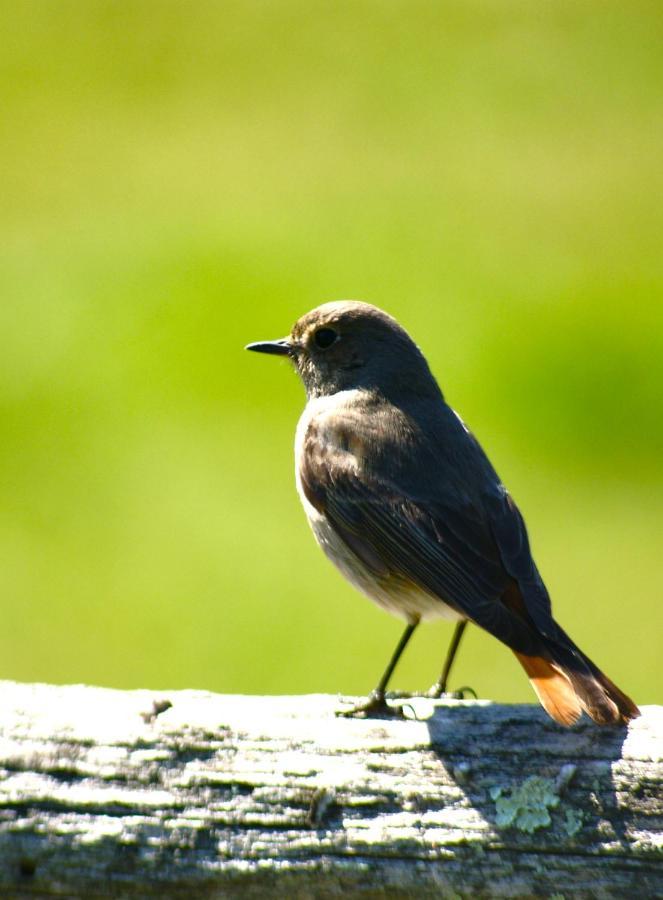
(374, 707)
(438, 692)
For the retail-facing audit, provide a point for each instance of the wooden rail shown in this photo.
(187, 794)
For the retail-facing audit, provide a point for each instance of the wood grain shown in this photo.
(188, 794)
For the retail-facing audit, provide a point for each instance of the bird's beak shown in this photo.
(281, 347)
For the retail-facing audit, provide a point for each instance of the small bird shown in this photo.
(404, 501)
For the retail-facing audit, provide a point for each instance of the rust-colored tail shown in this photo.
(564, 692)
(552, 688)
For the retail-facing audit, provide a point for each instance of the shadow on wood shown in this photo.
(138, 794)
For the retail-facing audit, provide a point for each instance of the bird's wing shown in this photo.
(446, 551)
(510, 535)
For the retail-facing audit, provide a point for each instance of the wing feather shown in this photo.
(432, 547)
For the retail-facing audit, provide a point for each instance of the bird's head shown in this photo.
(347, 344)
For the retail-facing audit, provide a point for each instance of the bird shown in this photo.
(403, 500)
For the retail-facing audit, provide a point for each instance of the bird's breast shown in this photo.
(319, 431)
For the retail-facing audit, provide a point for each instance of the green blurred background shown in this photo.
(181, 178)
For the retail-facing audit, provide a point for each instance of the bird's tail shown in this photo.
(567, 682)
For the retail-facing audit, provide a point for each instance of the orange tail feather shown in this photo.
(565, 692)
(553, 689)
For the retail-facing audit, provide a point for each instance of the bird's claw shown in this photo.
(436, 693)
(374, 707)
(377, 707)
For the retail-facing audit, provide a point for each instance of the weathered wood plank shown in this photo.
(229, 796)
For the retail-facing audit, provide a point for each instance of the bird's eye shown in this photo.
(325, 337)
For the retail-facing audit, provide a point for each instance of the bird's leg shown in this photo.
(440, 686)
(376, 704)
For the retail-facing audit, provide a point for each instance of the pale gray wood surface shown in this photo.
(231, 796)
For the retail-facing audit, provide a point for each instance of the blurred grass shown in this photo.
(179, 179)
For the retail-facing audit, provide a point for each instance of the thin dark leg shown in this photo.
(376, 704)
(393, 662)
(440, 687)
